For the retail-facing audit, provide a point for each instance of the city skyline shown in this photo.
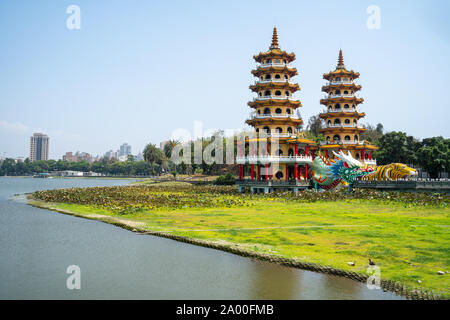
(139, 64)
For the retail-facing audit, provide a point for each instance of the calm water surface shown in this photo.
(37, 246)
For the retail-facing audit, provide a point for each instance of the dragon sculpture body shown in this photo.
(328, 173)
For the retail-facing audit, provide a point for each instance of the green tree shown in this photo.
(434, 155)
(397, 147)
(315, 123)
(372, 133)
(168, 148)
(153, 155)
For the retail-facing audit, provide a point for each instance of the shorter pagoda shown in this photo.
(342, 130)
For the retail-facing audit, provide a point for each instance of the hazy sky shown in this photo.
(138, 70)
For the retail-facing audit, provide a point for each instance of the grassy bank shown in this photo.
(408, 239)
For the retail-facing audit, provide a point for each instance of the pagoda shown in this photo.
(274, 117)
(342, 129)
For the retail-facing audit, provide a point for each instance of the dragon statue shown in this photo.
(329, 173)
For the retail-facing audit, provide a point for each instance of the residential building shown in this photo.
(125, 150)
(78, 156)
(39, 147)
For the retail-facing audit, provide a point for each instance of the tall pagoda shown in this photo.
(274, 115)
(342, 129)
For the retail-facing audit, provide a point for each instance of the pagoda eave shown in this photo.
(302, 141)
(274, 54)
(343, 130)
(261, 121)
(327, 115)
(355, 87)
(260, 71)
(270, 102)
(294, 87)
(341, 72)
(341, 99)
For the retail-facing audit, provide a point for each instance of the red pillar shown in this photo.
(253, 172)
(287, 178)
(299, 173)
(296, 150)
(363, 154)
(296, 171)
(306, 171)
(306, 150)
(267, 171)
(313, 155)
(240, 171)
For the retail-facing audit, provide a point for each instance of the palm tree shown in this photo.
(168, 148)
(153, 154)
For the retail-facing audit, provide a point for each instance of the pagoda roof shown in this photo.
(341, 70)
(290, 70)
(275, 102)
(355, 114)
(274, 51)
(282, 85)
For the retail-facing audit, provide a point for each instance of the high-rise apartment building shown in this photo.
(125, 150)
(39, 143)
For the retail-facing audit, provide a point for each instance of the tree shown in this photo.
(168, 148)
(434, 155)
(153, 155)
(314, 125)
(397, 147)
(372, 133)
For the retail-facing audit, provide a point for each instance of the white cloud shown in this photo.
(16, 127)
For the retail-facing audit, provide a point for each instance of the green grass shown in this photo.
(407, 243)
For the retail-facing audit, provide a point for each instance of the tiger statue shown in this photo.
(393, 171)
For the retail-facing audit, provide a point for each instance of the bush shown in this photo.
(225, 180)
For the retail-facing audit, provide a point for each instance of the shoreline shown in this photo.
(386, 285)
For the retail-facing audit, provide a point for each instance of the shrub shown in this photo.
(225, 180)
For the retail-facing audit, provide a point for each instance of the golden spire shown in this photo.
(340, 60)
(274, 39)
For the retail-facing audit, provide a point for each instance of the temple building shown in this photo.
(342, 130)
(287, 156)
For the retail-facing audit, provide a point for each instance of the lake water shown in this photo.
(37, 246)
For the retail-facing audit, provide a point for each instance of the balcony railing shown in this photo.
(274, 64)
(274, 81)
(275, 98)
(351, 142)
(343, 125)
(340, 110)
(339, 82)
(274, 115)
(271, 159)
(332, 96)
